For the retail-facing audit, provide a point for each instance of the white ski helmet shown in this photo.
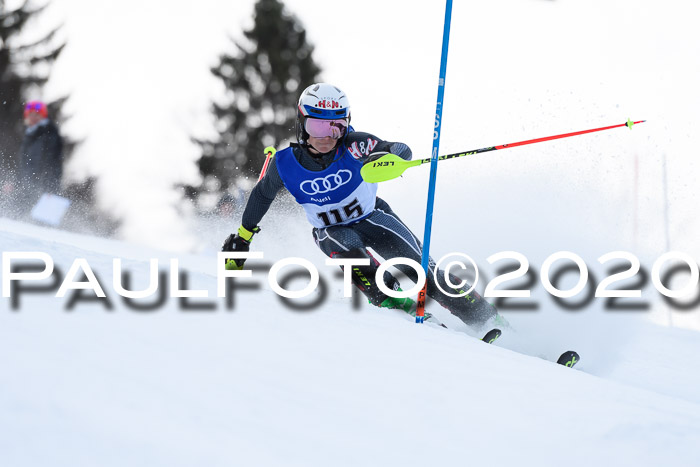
(322, 101)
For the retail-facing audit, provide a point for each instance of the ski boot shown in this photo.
(408, 306)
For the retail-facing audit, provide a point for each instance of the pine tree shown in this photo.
(263, 80)
(24, 69)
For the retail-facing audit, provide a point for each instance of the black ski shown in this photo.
(569, 359)
(491, 336)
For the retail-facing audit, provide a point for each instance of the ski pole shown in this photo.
(269, 154)
(420, 303)
(391, 166)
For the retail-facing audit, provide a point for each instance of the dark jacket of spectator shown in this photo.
(41, 158)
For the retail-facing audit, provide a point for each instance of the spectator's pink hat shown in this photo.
(36, 106)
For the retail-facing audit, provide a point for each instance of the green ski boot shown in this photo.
(409, 306)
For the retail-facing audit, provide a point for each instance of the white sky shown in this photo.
(138, 75)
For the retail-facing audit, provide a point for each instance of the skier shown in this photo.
(322, 172)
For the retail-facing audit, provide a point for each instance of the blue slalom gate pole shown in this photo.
(420, 310)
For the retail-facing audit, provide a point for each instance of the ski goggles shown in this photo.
(326, 128)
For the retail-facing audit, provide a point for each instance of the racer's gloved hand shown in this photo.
(238, 242)
(374, 156)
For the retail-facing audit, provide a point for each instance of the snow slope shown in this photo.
(264, 385)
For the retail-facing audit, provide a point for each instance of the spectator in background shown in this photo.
(226, 206)
(230, 201)
(40, 159)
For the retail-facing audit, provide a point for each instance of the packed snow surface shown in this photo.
(261, 384)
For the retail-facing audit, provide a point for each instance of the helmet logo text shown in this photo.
(328, 104)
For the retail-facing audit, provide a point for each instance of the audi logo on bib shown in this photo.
(325, 184)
